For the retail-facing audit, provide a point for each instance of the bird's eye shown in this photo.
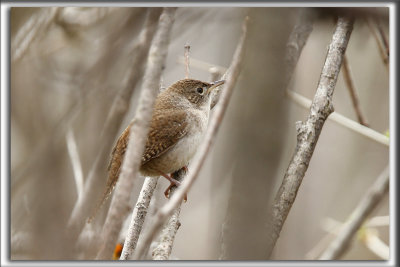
(200, 90)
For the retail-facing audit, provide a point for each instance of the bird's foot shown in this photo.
(172, 184)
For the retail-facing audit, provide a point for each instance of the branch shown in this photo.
(131, 163)
(383, 51)
(75, 162)
(200, 157)
(309, 131)
(115, 117)
(353, 93)
(164, 247)
(187, 62)
(297, 39)
(367, 204)
(342, 120)
(35, 25)
(138, 217)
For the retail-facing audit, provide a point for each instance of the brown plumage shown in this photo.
(179, 120)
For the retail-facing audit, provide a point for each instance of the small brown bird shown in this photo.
(180, 119)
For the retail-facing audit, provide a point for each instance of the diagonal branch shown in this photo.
(130, 166)
(364, 208)
(138, 217)
(309, 131)
(166, 211)
(353, 93)
(38, 23)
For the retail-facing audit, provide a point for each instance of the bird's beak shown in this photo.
(215, 85)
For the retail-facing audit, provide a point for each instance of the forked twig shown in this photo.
(309, 131)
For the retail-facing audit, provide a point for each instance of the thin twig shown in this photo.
(38, 23)
(384, 54)
(75, 161)
(364, 208)
(372, 241)
(163, 249)
(200, 156)
(138, 217)
(202, 65)
(309, 131)
(187, 62)
(115, 117)
(353, 92)
(342, 120)
(130, 166)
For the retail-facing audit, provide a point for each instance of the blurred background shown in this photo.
(72, 74)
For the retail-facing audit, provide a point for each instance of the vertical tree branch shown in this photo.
(353, 93)
(297, 40)
(138, 217)
(131, 163)
(113, 122)
(187, 63)
(309, 131)
(357, 217)
(166, 211)
(166, 240)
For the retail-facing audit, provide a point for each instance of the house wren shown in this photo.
(179, 121)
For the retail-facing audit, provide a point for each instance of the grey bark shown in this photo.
(309, 131)
(130, 166)
(215, 121)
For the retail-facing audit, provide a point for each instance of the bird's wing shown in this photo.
(166, 129)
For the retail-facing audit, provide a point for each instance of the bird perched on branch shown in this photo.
(179, 121)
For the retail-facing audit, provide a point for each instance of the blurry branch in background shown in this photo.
(309, 131)
(367, 230)
(215, 121)
(163, 249)
(187, 63)
(297, 39)
(381, 40)
(370, 238)
(32, 29)
(342, 120)
(138, 135)
(115, 117)
(82, 17)
(364, 208)
(353, 92)
(138, 217)
(75, 161)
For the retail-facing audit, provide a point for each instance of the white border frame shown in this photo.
(5, 134)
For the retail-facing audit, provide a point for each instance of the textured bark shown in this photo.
(166, 240)
(130, 166)
(138, 216)
(309, 131)
(215, 121)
